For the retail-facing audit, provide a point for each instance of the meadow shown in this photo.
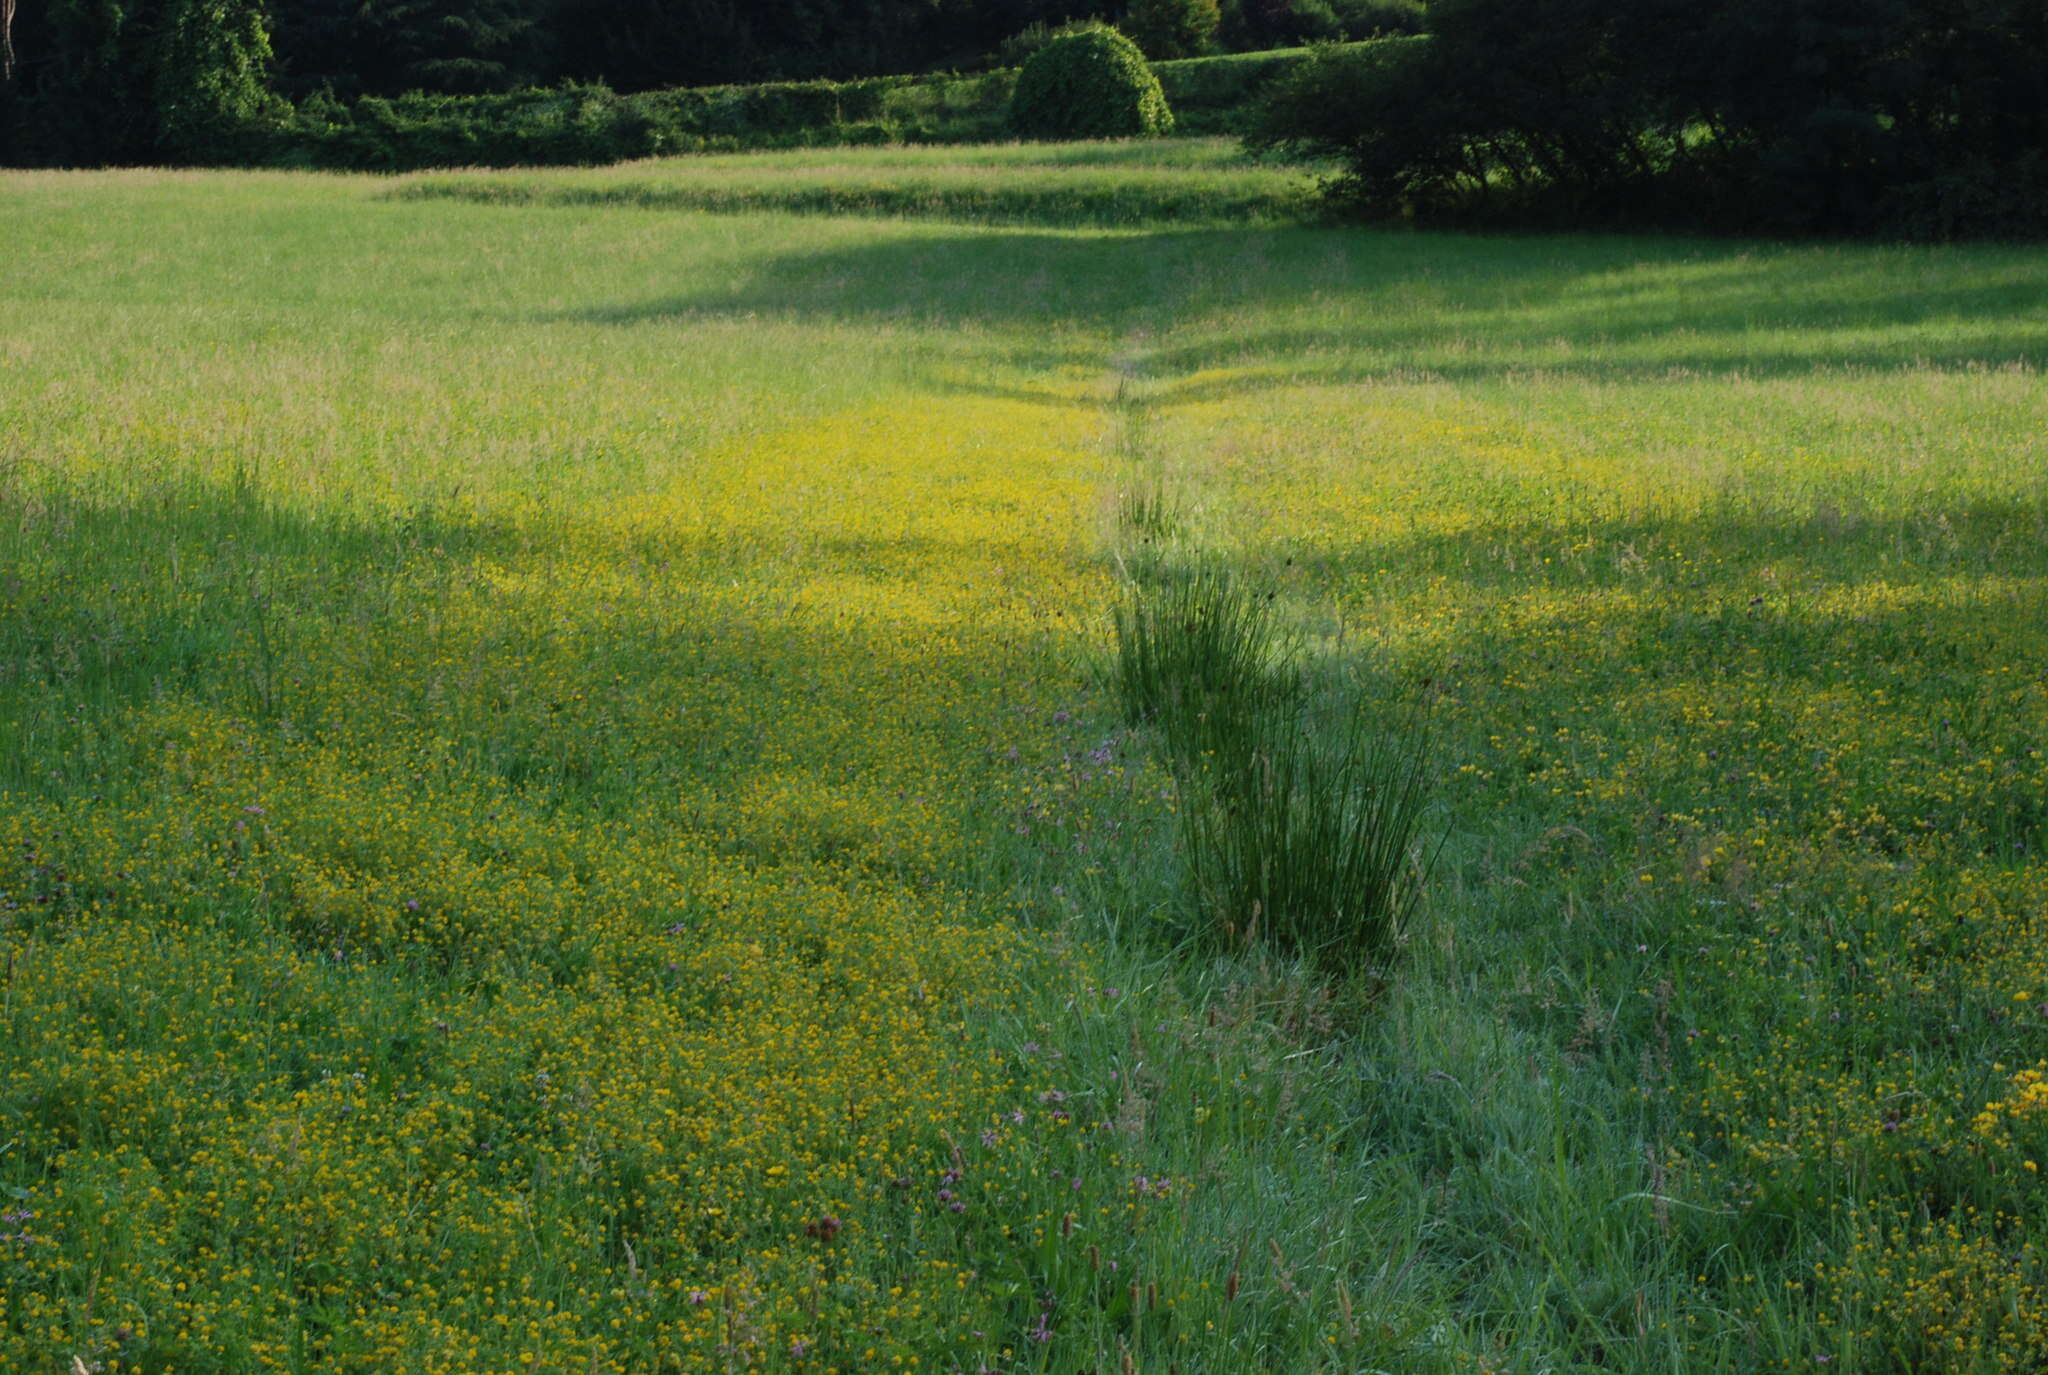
(564, 805)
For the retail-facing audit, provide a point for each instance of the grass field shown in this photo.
(559, 809)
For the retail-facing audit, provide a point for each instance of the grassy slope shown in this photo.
(1189, 182)
(1726, 560)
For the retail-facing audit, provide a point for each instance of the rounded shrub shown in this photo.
(1092, 84)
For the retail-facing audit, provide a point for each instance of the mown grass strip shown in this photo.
(1111, 201)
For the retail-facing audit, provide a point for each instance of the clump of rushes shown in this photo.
(1200, 658)
(1300, 821)
(1308, 841)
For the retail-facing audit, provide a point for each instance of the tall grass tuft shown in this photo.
(1308, 841)
(1200, 658)
(1300, 824)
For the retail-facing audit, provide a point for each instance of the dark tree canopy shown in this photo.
(99, 81)
(1836, 116)
(1167, 29)
(386, 47)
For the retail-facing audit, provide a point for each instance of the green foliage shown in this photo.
(1253, 25)
(1362, 19)
(389, 47)
(1167, 29)
(80, 93)
(1150, 515)
(576, 124)
(1022, 46)
(121, 81)
(1374, 107)
(1911, 116)
(590, 123)
(1223, 95)
(1093, 84)
(638, 45)
(209, 89)
(97, 112)
(1312, 21)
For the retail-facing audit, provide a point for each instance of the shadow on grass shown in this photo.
(1848, 682)
(1821, 596)
(1297, 306)
(2003, 537)
(216, 598)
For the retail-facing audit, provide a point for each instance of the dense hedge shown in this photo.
(591, 124)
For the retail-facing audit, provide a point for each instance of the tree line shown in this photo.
(109, 81)
(1921, 118)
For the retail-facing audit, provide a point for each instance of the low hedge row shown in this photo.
(592, 124)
